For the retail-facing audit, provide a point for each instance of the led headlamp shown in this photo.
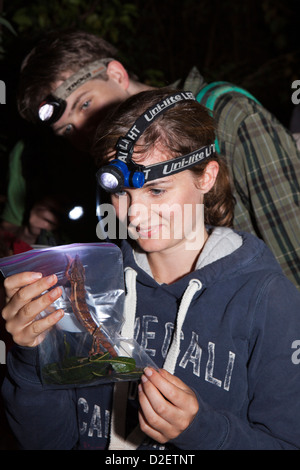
(54, 105)
(123, 172)
(52, 109)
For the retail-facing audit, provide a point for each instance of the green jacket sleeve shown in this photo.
(13, 210)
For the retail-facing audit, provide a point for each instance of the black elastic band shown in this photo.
(125, 144)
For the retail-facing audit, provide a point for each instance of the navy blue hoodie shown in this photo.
(236, 320)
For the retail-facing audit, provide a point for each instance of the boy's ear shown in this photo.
(209, 176)
(118, 73)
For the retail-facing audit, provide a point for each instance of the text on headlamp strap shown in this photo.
(84, 74)
(175, 165)
(146, 119)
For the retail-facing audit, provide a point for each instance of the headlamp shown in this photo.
(119, 175)
(54, 105)
(52, 109)
(123, 172)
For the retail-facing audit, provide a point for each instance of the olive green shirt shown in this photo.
(14, 208)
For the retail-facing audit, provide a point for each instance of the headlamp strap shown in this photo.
(54, 105)
(124, 149)
(127, 173)
(125, 145)
(84, 74)
(175, 165)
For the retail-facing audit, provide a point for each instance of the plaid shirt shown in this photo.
(264, 163)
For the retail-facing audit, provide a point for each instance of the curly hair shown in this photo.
(180, 130)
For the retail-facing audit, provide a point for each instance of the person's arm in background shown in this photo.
(41, 216)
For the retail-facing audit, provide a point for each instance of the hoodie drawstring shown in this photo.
(118, 417)
(130, 303)
(170, 362)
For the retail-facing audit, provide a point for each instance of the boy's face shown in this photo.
(86, 106)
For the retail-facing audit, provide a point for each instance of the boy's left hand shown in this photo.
(167, 405)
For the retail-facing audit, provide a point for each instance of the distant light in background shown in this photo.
(76, 213)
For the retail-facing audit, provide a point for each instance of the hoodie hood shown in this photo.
(226, 254)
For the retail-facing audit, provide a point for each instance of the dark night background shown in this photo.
(252, 43)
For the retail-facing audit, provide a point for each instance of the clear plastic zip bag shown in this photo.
(85, 346)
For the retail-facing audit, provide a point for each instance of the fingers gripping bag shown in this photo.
(85, 347)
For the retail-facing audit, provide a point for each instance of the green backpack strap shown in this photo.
(216, 89)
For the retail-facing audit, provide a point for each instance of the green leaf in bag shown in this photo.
(120, 364)
(81, 370)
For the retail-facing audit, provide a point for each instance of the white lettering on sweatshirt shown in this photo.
(94, 425)
(192, 355)
(94, 421)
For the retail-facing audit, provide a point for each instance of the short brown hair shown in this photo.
(180, 130)
(57, 53)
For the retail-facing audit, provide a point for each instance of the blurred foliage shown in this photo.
(253, 43)
(4, 24)
(108, 16)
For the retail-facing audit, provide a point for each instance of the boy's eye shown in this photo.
(86, 104)
(68, 129)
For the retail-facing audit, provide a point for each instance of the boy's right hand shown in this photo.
(24, 302)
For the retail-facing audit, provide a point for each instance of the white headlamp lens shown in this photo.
(46, 111)
(109, 181)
